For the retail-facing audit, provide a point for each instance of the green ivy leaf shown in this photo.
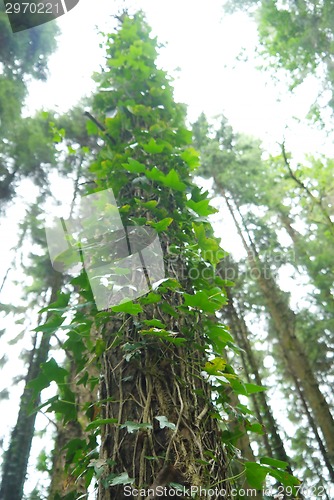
(172, 180)
(219, 335)
(128, 307)
(257, 428)
(232, 437)
(151, 298)
(164, 422)
(278, 464)
(125, 209)
(166, 308)
(244, 409)
(284, 477)
(238, 386)
(39, 383)
(59, 305)
(134, 166)
(200, 300)
(140, 109)
(153, 147)
(215, 366)
(147, 204)
(54, 372)
(253, 388)
(156, 323)
(162, 225)
(51, 326)
(202, 207)
(256, 474)
(191, 157)
(121, 479)
(165, 335)
(155, 174)
(67, 409)
(50, 372)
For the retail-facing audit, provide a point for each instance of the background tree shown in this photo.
(24, 147)
(296, 36)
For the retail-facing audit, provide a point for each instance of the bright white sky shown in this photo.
(204, 43)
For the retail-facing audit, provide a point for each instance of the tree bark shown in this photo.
(163, 380)
(285, 321)
(272, 440)
(326, 297)
(17, 456)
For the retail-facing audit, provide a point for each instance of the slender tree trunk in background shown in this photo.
(235, 323)
(272, 440)
(302, 256)
(314, 428)
(63, 483)
(17, 456)
(243, 442)
(284, 320)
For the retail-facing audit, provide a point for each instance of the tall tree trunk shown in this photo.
(17, 456)
(314, 428)
(159, 424)
(272, 440)
(164, 380)
(285, 320)
(327, 297)
(162, 426)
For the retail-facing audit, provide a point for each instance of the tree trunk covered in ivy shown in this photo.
(163, 427)
(162, 381)
(17, 456)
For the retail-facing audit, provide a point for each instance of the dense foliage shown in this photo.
(298, 37)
